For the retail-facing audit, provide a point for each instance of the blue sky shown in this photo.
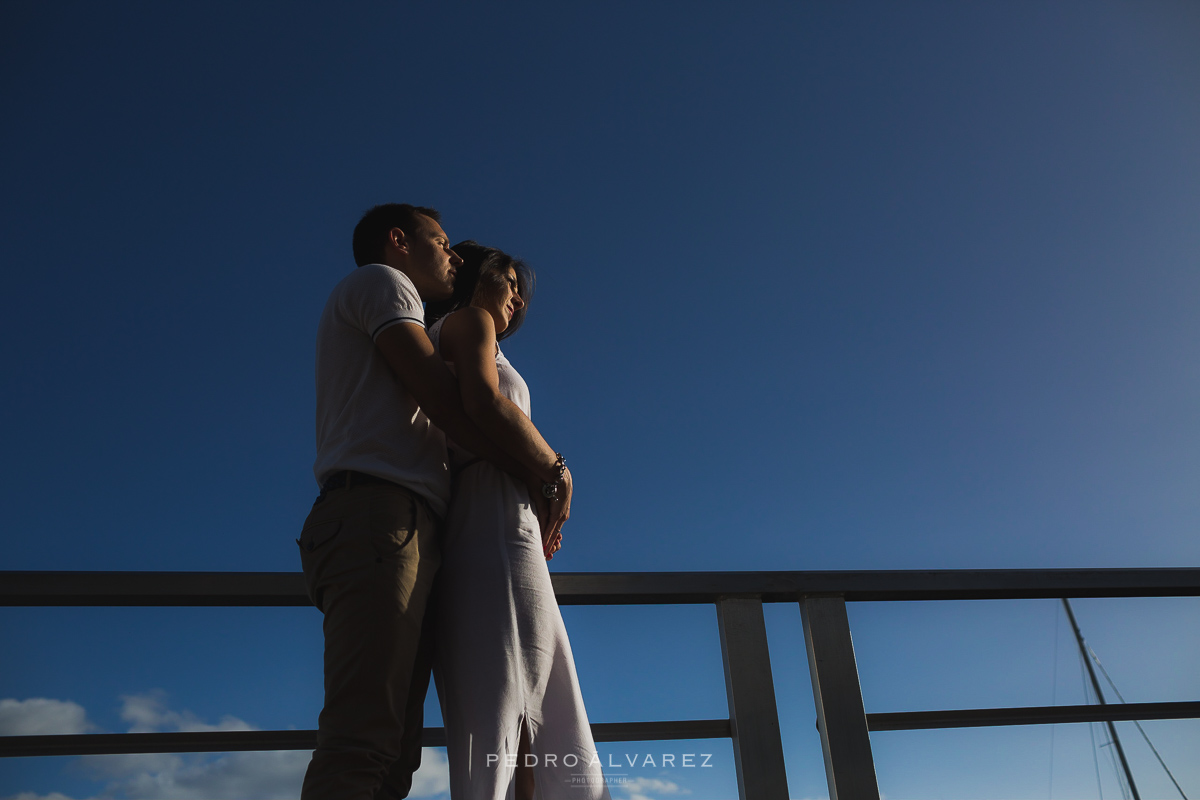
(820, 287)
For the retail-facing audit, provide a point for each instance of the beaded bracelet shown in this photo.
(550, 490)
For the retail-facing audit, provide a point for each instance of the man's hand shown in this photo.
(552, 514)
(411, 357)
(506, 437)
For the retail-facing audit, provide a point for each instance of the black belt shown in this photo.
(347, 478)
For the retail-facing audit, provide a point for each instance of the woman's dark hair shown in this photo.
(483, 267)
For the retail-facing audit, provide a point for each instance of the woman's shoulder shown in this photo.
(469, 322)
(467, 326)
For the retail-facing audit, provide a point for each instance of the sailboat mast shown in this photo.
(1112, 729)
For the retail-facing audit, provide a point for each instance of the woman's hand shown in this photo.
(552, 514)
(554, 547)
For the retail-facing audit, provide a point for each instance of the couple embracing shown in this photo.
(426, 549)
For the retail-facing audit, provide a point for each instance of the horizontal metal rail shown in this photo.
(617, 588)
(1029, 715)
(107, 744)
(231, 741)
(88, 744)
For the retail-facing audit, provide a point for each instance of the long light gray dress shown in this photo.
(502, 657)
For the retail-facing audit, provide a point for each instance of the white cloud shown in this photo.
(639, 788)
(433, 778)
(41, 716)
(271, 775)
(148, 712)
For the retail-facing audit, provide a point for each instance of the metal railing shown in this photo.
(753, 722)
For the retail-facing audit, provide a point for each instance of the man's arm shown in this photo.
(408, 351)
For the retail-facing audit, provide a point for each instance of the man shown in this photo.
(369, 547)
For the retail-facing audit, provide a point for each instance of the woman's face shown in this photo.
(499, 296)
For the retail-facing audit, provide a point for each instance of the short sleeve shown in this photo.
(382, 297)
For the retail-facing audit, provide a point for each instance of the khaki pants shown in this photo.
(370, 553)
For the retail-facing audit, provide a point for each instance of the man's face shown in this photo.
(431, 263)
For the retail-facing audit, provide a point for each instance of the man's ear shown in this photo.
(398, 240)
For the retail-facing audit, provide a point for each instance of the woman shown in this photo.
(506, 679)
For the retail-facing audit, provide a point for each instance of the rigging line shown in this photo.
(1112, 728)
(1091, 730)
(1110, 752)
(1054, 701)
(1112, 756)
(1166, 769)
(1141, 730)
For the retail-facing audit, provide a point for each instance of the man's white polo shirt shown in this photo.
(366, 420)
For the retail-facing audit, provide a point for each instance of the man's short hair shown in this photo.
(370, 234)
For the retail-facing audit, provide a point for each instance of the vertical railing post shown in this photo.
(841, 719)
(753, 717)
